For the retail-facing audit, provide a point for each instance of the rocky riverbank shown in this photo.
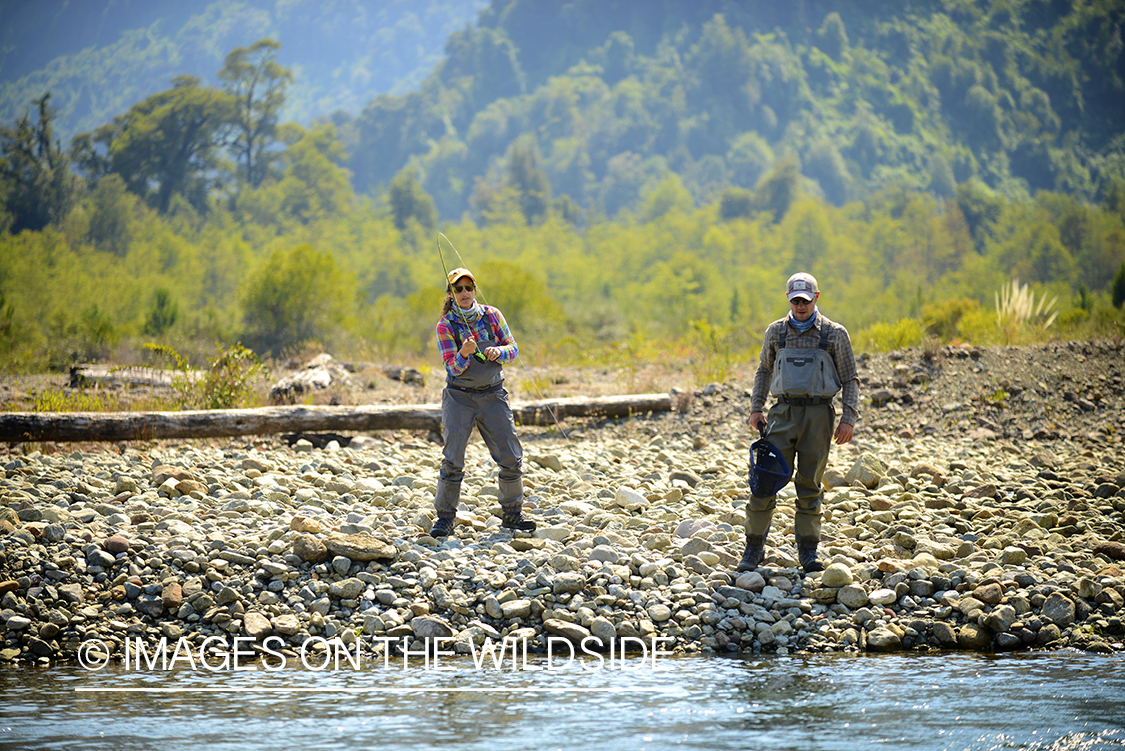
(981, 507)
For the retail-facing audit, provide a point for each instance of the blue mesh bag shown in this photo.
(769, 472)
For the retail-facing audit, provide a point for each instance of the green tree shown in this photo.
(1117, 290)
(36, 185)
(163, 313)
(980, 207)
(409, 201)
(1114, 197)
(525, 300)
(110, 206)
(941, 177)
(668, 195)
(748, 159)
(736, 203)
(295, 297)
(777, 190)
(168, 144)
(619, 53)
(832, 38)
(825, 165)
(315, 185)
(257, 83)
(7, 315)
(529, 181)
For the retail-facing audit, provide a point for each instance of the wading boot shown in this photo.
(754, 553)
(443, 527)
(806, 556)
(514, 520)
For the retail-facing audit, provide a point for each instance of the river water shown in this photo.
(1057, 701)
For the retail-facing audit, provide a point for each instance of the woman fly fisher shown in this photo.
(474, 341)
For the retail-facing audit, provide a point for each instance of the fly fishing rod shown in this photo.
(478, 355)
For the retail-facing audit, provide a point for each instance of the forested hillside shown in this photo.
(630, 180)
(99, 57)
(609, 98)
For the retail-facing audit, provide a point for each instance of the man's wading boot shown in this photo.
(443, 527)
(514, 520)
(754, 553)
(806, 556)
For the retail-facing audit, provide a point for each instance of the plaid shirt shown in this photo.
(839, 348)
(491, 326)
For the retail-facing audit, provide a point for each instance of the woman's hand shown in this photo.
(468, 347)
(492, 353)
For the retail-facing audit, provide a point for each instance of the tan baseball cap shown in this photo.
(457, 274)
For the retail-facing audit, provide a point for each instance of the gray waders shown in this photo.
(477, 398)
(800, 425)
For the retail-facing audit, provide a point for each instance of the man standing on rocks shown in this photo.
(474, 340)
(806, 360)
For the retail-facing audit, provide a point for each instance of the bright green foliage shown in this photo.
(87, 334)
(944, 319)
(887, 337)
(228, 382)
(521, 296)
(314, 185)
(748, 159)
(668, 195)
(295, 298)
(979, 327)
(57, 400)
(1069, 320)
(670, 222)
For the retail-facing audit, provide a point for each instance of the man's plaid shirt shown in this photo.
(839, 347)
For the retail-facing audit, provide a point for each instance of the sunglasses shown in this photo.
(458, 288)
(800, 301)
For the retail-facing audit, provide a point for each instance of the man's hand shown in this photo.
(844, 433)
(757, 420)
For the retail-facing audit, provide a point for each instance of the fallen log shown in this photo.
(86, 375)
(140, 426)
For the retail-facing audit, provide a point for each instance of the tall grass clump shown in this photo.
(1018, 312)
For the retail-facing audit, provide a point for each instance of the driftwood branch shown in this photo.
(132, 426)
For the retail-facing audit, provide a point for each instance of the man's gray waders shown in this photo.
(800, 424)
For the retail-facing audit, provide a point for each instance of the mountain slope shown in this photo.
(99, 57)
(612, 97)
